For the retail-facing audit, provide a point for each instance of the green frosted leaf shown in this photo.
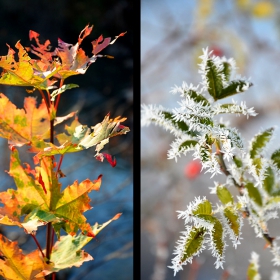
(230, 108)
(187, 144)
(203, 208)
(179, 124)
(234, 87)
(216, 233)
(257, 162)
(276, 158)
(205, 149)
(233, 220)
(254, 193)
(224, 194)
(214, 79)
(252, 272)
(193, 243)
(226, 70)
(260, 141)
(197, 97)
(269, 181)
(204, 153)
(237, 161)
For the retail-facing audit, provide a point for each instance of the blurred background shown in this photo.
(173, 34)
(105, 87)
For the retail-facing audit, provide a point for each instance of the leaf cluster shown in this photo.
(38, 199)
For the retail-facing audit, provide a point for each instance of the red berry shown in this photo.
(192, 169)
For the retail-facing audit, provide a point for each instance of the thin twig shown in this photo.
(38, 244)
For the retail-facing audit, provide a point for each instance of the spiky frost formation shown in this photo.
(198, 128)
(154, 114)
(178, 261)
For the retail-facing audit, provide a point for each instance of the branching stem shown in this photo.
(224, 169)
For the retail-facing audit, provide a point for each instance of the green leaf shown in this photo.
(193, 243)
(230, 108)
(67, 252)
(224, 194)
(274, 200)
(254, 193)
(214, 79)
(198, 97)
(276, 158)
(234, 87)
(216, 233)
(179, 124)
(206, 148)
(204, 207)
(187, 144)
(237, 161)
(260, 141)
(257, 162)
(252, 272)
(202, 120)
(269, 180)
(217, 236)
(233, 220)
(226, 70)
(61, 90)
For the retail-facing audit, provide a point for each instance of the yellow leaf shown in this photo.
(14, 265)
(263, 9)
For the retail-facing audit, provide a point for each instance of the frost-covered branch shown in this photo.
(221, 150)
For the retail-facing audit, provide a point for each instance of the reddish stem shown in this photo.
(52, 239)
(57, 101)
(59, 164)
(44, 97)
(38, 245)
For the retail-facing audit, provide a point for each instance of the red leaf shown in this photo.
(42, 183)
(109, 158)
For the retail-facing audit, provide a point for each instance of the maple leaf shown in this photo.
(26, 126)
(40, 198)
(29, 226)
(14, 265)
(29, 193)
(67, 252)
(71, 59)
(79, 137)
(73, 202)
(21, 73)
